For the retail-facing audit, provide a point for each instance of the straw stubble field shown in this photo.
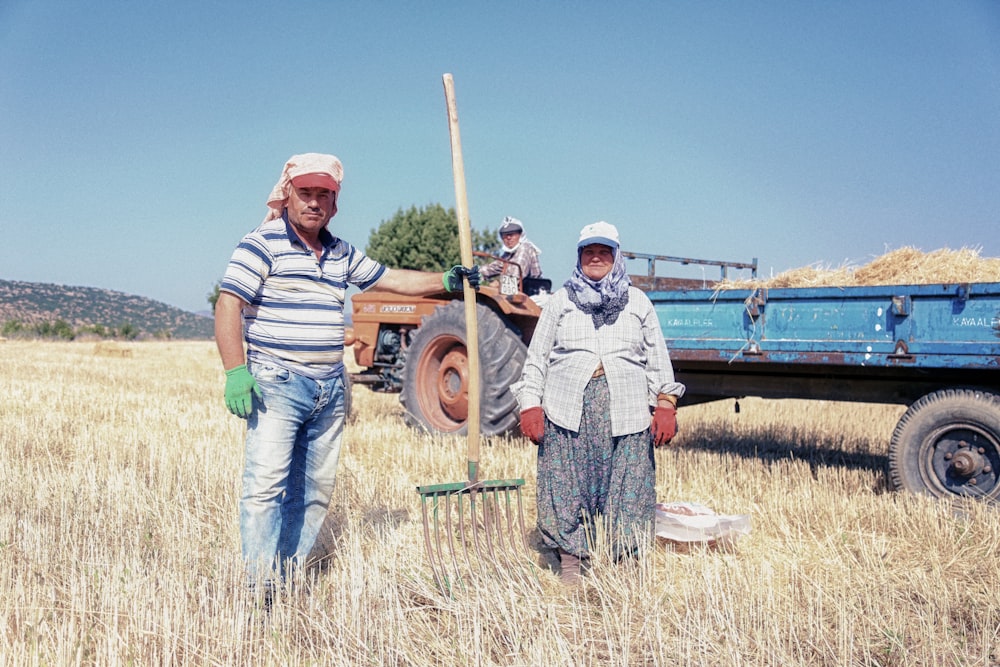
(119, 541)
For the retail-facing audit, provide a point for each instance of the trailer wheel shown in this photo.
(436, 377)
(948, 444)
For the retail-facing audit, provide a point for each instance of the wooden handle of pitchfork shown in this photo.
(469, 294)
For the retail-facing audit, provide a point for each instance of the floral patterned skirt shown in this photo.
(591, 476)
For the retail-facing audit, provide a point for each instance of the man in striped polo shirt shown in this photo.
(282, 300)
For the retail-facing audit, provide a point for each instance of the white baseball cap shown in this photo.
(598, 232)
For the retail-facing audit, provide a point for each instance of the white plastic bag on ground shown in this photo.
(692, 522)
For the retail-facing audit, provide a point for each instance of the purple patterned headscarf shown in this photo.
(603, 299)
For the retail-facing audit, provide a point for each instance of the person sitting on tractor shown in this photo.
(517, 250)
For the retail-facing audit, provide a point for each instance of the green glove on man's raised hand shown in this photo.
(240, 390)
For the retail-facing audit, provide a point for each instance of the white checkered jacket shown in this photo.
(566, 349)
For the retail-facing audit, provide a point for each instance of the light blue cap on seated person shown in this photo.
(599, 232)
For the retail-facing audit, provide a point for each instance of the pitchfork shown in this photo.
(485, 518)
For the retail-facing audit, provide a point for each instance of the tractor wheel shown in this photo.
(948, 444)
(436, 378)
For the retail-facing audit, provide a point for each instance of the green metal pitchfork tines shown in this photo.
(473, 529)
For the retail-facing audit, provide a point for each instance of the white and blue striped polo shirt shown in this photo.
(294, 303)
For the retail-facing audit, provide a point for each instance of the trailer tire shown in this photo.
(948, 444)
(435, 378)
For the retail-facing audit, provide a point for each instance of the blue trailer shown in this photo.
(934, 348)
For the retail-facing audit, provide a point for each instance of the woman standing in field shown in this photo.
(596, 366)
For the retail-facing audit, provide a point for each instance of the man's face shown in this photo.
(309, 209)
(510, 239)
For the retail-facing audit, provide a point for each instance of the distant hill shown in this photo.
(38, 303)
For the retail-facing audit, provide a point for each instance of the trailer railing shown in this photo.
(723, 265)
(653, 282)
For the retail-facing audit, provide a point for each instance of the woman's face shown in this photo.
(511, 239)
(596, 260)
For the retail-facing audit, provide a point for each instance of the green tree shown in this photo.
(128, 331)
(13, 328)
(213, 296)
(58, 329)
(63, 329)
(486, 240)
(425, 239)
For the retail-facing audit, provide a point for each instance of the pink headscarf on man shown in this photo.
(306, 170)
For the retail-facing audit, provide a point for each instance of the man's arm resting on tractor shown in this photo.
(409, 282)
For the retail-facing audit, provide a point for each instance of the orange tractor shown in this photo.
(416, 346)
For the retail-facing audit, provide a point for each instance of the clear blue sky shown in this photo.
(138, 141)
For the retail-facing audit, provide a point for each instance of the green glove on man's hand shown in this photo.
(240, 390)
(452, 278)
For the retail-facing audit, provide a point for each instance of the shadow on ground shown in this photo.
(817, 450)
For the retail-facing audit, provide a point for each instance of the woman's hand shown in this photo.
(533, 423)
(664, 426)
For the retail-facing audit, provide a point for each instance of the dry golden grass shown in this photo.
(903, 266)
(119, 540)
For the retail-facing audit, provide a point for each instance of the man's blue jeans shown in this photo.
(292, 450)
